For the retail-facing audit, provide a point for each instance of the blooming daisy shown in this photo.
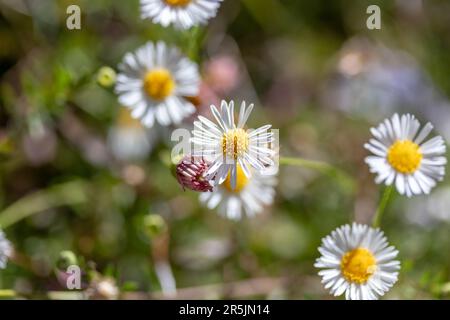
(400, 155)
(358, 261)
(183, 14)
(229, 145)
(5, 250)
(248, 197)
(155, 82)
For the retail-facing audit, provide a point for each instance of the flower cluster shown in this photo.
(235, 163)
(158, 85)
(356, 260)
(233, 166)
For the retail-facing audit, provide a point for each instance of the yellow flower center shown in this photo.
(405, 156)
(178, 3)
(234, 143)
(241, 181)
(159, 84)
(358, 265)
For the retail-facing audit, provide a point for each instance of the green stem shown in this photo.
(382, 206)
(194, 40)
(7, 293)
(323, 167)
(69, 193)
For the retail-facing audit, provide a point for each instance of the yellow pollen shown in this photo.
(159, 84)
(234, 143)
(405, 156)
(178, 3)
(358, 265)
(241, 181)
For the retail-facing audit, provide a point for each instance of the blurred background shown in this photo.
(81, 182)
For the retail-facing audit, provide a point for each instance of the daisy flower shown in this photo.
(357, 260)
(401, 156)
(5, 250)
(228, 145)
(183, 14)
(155, 83)
(248, 197)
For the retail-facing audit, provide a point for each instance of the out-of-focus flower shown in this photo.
(401, 156)
(231, 146)
(357, 260)
(128, 139)
(190, 174)
(183, 14)
(205, 98)
(103, 288)
(133, 175)
(40, 146)
(248, 197)
(222, 74)
(6, 250)
(203, 253)
(106, 77)
(154, 83)
(430, 211)
(372, 81)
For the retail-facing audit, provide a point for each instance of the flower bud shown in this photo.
(106, 77)
(154, 225)
(66, 259)
(190, 171)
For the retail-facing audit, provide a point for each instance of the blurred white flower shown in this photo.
(373, 81)
(183, 14)
(356, 259)
(40, 146)
(401, 156)
(430, 211)
(248, 197)
(6, 250)
(230, 146)
(103, 288)
(128, 139)
(155, 81)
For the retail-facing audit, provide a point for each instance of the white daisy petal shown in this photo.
(183, 14)
(248, 196)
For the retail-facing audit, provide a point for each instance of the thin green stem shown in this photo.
(323, 167)
(65, 194)
(7, 293)
(382, 206)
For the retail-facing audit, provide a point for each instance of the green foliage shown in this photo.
(66, 199)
